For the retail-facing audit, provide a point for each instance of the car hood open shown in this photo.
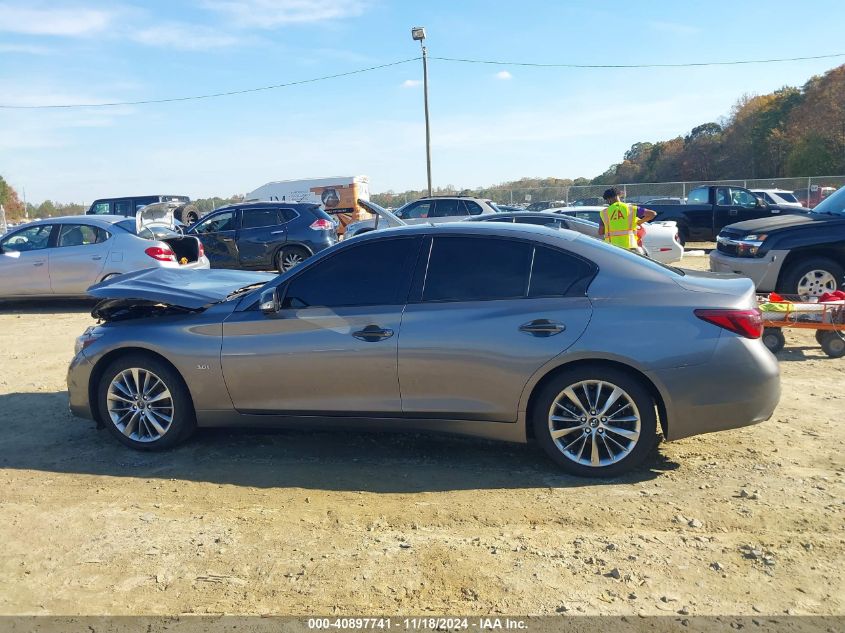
(190, 289)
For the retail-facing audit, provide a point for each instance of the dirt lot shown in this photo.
(743, 522)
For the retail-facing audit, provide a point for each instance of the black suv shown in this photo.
(186, 212)
(264, 235)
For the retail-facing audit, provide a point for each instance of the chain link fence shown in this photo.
(809, 191)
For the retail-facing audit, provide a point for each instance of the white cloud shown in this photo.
(273, 13)
(504, 75)
(24, 49)
(37, 21)
(186, 37)
(411, 83)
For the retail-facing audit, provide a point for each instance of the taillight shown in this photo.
(161, 254)
(201, 251)
(321, 224)
(747, 323)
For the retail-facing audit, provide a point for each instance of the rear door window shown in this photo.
(558, 274)
(447, 208)
(477, 269)
(256, 218)
(80, 235)
(124, 207)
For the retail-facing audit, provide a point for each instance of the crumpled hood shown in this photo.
(185, 288)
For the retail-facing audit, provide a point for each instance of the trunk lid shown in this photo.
(158, 214)
(740, 289)
(184, 288)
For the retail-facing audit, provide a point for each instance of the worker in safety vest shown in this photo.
(620, 222)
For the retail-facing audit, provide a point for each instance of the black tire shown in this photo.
(795, 272)
(773, 339)
(183, 421)
(683, 235)
(188, 214)
(820, 335)
(833, 343)
(287, 254)
(610, 376)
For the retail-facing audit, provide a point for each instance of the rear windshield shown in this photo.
(318, 211)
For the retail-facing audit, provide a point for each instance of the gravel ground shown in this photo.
(742, 522)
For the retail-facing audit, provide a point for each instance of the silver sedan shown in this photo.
(62, 257)
(504, 331)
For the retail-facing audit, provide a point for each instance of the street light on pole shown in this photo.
(418, 34)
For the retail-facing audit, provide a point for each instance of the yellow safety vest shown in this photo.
(620, 225)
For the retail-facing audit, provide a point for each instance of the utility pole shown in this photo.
(418, 34)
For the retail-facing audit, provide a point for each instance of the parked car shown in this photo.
(128, 206)
(660, 243)
(265, 235)
(542, 205)
(428, 210)
(504, 331)
(799, 254)
(62, 257)
(711, 207)
(594, 201)
(812, 196)
(780, 197)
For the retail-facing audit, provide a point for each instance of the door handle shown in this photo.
(373, 334)
(97, 257)
(227, 239)
(733, 212)
(277, 232)
(542, 328)
(38, 264)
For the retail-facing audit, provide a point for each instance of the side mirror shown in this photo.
(268, 302)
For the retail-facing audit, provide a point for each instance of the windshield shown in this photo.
(834, 204)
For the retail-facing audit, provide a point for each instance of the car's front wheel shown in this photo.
(595, 421)
(812, 277)
(144, 403)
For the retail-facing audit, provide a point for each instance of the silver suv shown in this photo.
(432, 210)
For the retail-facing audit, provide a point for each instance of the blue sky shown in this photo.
(489, 123)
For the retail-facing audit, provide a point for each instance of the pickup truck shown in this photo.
(796, 254)
(710, 208)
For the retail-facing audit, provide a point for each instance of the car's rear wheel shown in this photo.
(144, 403)
(595, 421)
(812, 277)
(290, 257)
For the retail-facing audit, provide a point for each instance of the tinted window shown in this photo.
(417, 210)
(472, 269)
(222, 222)
(472, 208)
(698, 196)
(123, 207)
(446, 208)
(290, 214)
(80, 235)
(507, 218)
(32, 239)
(370, 274)
(254, 218)
(142, 202)
(722, 197)
(101, 208)
(556, 274)
(538, 221)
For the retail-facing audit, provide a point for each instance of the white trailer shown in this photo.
(338, 196)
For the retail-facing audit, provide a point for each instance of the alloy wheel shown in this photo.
(594, 423)
(291, 259)
(140, 405)
(815, 283)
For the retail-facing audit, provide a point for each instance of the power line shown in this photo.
(678, 65)
(405, 61)
(208, 96)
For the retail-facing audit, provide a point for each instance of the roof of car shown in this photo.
(503, 229)
(773, 190)
(74, 219)
(573, 209)
(264, 203)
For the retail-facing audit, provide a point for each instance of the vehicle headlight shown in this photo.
(88, 336)
(755, 237)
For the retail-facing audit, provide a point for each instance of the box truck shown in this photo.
(338, 196)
